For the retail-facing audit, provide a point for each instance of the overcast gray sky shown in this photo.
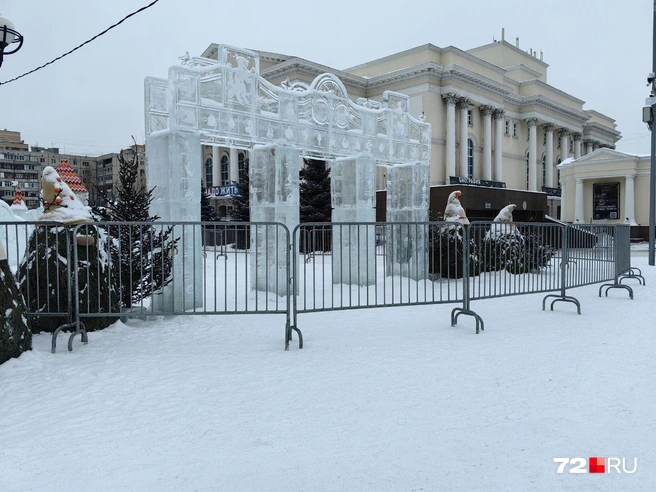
(90, 102)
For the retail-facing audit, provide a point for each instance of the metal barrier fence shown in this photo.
(86, 276)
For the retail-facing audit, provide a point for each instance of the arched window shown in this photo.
(241, 160)
(208, 171)
(470, 158)
(544, 171)
(558, 173)
(225, 170)
(527, 170)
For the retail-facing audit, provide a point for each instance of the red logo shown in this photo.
(596, 465)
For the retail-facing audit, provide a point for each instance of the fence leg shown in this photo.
(79, 330)
(615, 285)
(480, 326)
(465, 309)
(564, 265)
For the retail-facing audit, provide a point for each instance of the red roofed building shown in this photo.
(18, 199)
(69, 177)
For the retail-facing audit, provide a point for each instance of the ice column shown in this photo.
(176, 157)
(407, 201)
(354, 200)
(274, 198)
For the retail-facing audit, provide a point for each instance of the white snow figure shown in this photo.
(502, 226)
(454, 211)
(505, 215)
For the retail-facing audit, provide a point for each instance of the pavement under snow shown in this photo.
(391, 399)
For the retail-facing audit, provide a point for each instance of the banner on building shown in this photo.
(457, 180)
(606, 201)
(220, 191)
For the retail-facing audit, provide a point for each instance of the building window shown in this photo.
(241, 160)
(507, 127)
(558, 173)
(527, 169)
(469, 118)
(571, 145)
(225, 170)
(470, 158)
(514, 128)
(208, 172)
(544, 138)
(544, 171)
(558, 143)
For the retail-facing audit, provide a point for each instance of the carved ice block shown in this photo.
(274, 197)
(354, 200)
(173, 157)
(407, 207)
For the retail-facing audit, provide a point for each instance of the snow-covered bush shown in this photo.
(446, 251)
(44, 277)
(514, 251)
(15, 337)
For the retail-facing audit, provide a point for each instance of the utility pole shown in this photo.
(652, 173)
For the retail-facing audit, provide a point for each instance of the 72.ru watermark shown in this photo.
(596, 465)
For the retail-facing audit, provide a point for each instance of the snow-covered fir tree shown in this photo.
(241, 202)
(207, 212)
(314, 191)
(15, 336)
(241, 209)
(142, 252)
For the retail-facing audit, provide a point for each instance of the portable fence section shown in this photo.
(513, 258)
(89, 275)
(241, 269)
(591, 254)
(376, 265)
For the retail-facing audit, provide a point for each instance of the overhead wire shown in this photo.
(83, 44)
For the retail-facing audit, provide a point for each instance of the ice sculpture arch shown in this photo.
(227, 102)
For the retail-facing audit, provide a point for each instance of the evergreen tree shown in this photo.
(45, 275)
(241, 210)
(241, 203)
(314, 190)
(207, 212)
(15, 336)
(315, 206)
(142, 252)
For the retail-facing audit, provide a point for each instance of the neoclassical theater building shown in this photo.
(499, 128)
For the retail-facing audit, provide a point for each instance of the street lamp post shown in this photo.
(8, 36)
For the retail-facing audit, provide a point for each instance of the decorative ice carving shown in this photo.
(228, 99)
(353, 200)
(227, 102)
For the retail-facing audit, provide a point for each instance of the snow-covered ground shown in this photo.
(390, 399)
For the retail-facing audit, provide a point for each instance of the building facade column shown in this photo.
(579, 211)
(577, 145)
(216, 166)
(548, 158)
(463, 105)
(563, 200)
(498, 115)
(588, 147)
(486, 112)
(629, 199)
(450, 101)
(564, 143)
(233, 176)
(532, 153)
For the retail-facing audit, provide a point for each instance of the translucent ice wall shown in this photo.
(274, 197)
(354, 200)
(407, 203)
